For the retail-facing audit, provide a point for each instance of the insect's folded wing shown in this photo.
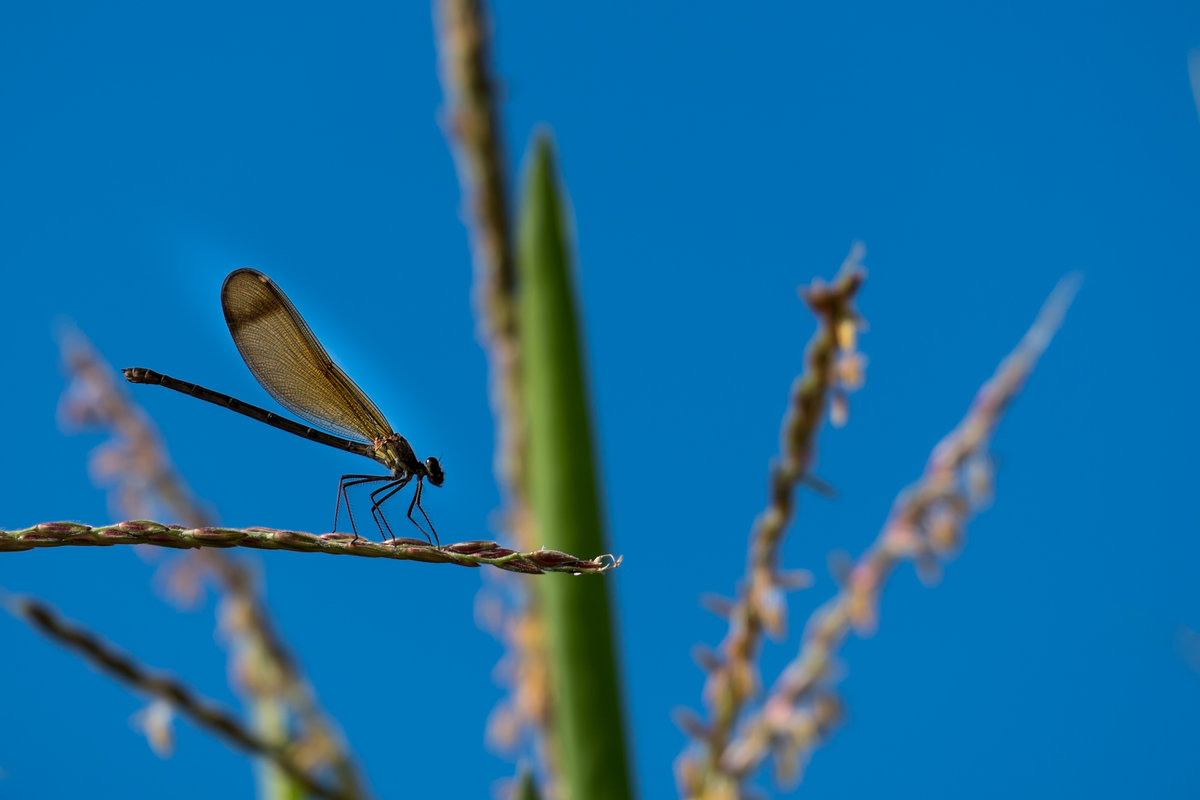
(286, 358)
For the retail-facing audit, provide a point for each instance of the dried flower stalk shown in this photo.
(474, 131)
(759, 608)
(925, 525)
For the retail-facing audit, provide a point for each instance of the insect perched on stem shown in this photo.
(288, 361)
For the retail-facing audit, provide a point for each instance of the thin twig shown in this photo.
(474, 131)
(136, 460)
(926, 524)
(464, 554)
(204, 712)
(830, 360)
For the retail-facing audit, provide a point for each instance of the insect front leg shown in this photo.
(416, 501)
(376, 505)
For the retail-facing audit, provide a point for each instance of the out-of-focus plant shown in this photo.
(926, 526)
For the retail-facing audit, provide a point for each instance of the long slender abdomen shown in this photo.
(149, 376)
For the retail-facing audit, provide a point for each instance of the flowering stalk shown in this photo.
(832, 368)
(925, 526)
(474, 131)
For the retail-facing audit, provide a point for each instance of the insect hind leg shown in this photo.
(344, 485)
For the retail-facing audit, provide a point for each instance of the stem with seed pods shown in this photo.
(464, 554)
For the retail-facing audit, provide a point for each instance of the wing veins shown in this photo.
(288, 360)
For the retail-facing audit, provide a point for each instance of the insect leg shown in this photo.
(343, 485)
(416, 501)
(376, 505)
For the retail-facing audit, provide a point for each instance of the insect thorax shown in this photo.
(395, 453)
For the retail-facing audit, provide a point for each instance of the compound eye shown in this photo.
(434, 468)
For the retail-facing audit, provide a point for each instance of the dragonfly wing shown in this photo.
(286, 358)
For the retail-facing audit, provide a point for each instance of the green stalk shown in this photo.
(270, 722)
(563, 493)
(527, 788)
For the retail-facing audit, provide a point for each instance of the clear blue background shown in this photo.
(716, 157)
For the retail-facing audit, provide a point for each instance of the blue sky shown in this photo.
(716, 157)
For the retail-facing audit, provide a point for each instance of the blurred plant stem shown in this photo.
(564, 494)
(473, 128)
(926, 526)
(475, 134)
(527, 788)
(136, 464)
(270, 721)
(832, 369)
(206, 713)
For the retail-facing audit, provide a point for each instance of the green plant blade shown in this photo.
(563, 493)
